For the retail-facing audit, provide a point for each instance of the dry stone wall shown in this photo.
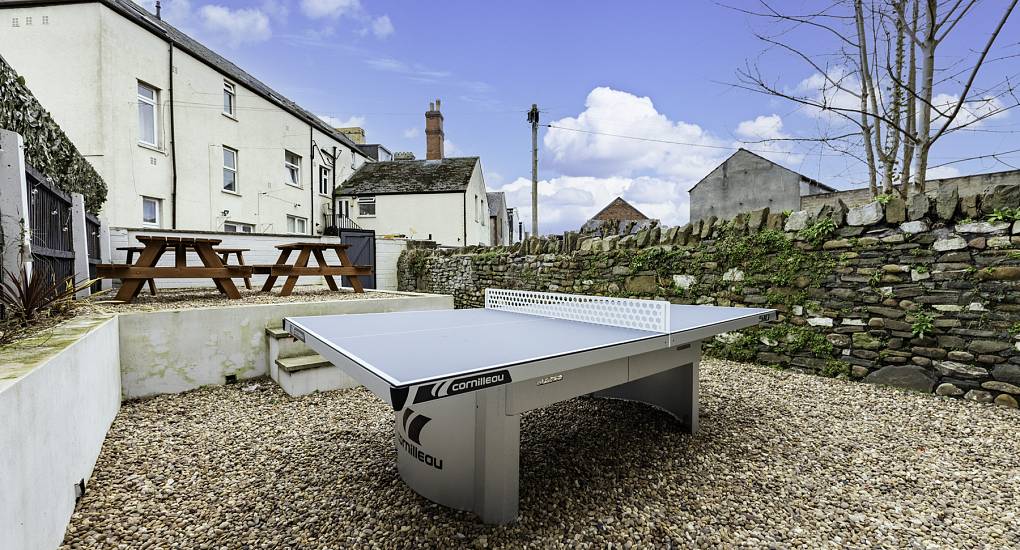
(922, 294)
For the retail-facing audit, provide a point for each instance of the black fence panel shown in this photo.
(49, 219)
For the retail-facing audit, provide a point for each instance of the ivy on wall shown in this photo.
(47, 147)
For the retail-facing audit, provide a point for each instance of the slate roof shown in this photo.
(149, 22)
(411, 176)
(497, 202)
(619, 209)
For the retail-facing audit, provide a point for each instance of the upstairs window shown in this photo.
(366, 206)
(148, 120)
(229, 169)
(324, 180)
(292, 166)
(229, 99)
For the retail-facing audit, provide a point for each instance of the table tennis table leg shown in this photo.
(497, 458)
(674, 391)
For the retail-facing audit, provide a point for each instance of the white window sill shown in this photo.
(152, 225)
(326, 195)
(230, 116)
(229, 192)
(151, 147)
(366, 216)
(288, 184)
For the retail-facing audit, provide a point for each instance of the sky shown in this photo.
(660, 71)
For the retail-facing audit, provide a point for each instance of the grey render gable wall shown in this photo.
(746, 182)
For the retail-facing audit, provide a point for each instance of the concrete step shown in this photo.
(291, 365)
(277, 333)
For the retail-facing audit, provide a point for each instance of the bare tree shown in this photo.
(870, 81)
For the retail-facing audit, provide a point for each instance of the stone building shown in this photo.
(972, 185)
(746, 182)
(500, 226)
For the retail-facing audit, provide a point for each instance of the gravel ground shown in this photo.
(781, 460)
(188, 298)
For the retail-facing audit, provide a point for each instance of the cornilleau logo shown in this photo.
(428, 392)
(412, 424)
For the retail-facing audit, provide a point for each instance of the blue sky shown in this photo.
(660, 70)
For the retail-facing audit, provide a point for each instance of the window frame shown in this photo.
(367, 201)
(233, 169)
(295, 220)
(293, 170)
(152, 103)
(230, 90)
(240, 227)
(158, 207)
(324, 180)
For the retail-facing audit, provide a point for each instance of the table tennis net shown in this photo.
(650, 315)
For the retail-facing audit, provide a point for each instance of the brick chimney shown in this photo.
(433, 132)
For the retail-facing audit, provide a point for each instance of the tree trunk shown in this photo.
(927, 81)
(867, 91)
(911, 109)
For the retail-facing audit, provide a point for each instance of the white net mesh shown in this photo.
(651, 315)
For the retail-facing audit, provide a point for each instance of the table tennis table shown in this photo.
(458, 380)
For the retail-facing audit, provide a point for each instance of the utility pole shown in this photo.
(533, 119)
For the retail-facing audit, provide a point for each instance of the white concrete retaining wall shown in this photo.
(59, 393)
(178, 350)
(387, 252)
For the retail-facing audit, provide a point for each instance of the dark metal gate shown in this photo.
(361, 252)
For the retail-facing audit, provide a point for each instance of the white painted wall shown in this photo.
(179, 350)
(54, 419)
(387, 252)
(94, 99)
(445, 218)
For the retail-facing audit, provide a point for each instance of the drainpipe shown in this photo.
(333, 204)
(173, 147)
(464, 242)
(311, 179)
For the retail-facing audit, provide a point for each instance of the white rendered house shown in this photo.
(184, 138)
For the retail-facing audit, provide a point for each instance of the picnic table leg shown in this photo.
(148, 258)
(271, 280)
(151, 282)
(302, 261)
(240, 261)
(346, 262)
(210, 259)
(321, 259)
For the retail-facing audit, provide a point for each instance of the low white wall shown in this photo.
(59, 394)
(178, 350)
(387, 252)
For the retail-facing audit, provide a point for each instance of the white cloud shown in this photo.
(756, 134)
(566, 202)
(382, 26)
(941, 172)
(973, 109)
(332, 9)
(241, 26)
(337, 122)
(277, 9)
(411, 133)
(835, 89)
(450, 149)
(415, 71)
(609, 111)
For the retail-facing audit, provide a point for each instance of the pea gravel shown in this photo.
(781, 460)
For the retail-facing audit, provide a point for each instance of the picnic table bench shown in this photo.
(135, 275)
(300, 267)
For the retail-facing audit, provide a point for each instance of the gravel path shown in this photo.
(782, 459)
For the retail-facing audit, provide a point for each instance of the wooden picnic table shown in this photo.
(134, 276)
(300, 267)
(239, 252)
(131, 251)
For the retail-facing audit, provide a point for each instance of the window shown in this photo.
(476, 208)
(292, 164)
(296, 225)
(151, 211)
(14, 22)
(238, 227)
(484, 213)
(366, 206)
(324, 180)
(45, 20)
(229, 169)
(28, 21)
(148, 124)
(229, 99)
